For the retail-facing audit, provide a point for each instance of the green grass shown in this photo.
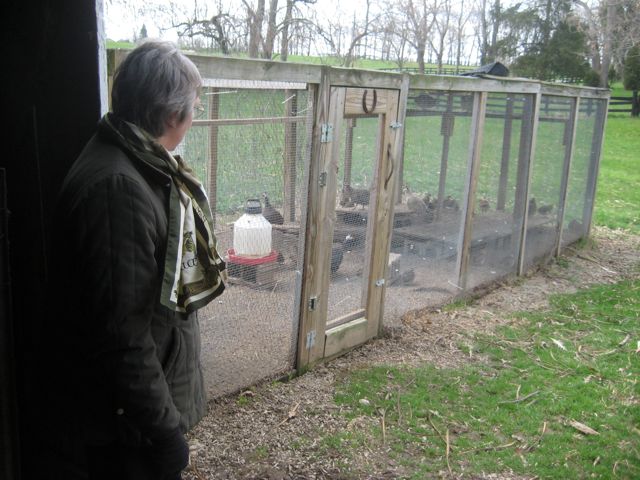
(618, 193)
(573, 363)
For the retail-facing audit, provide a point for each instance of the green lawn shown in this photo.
(556, 399)
(618, 192)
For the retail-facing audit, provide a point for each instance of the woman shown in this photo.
(137, 259)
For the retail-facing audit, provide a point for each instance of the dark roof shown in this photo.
(496, 68)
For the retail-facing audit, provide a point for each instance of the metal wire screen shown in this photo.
(348, 269)
(427, 222)
(583, 166)
(252, 149)
(553, 148)
(501, 181)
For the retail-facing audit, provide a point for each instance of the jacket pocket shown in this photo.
(175, 354)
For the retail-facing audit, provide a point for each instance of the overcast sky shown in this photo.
(123, 22)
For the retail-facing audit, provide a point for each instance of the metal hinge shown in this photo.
(311, 339)
(327, 133)
(322, 180)
(312, 303)
(396, 125)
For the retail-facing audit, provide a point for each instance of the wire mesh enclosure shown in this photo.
(583, 171)
(499, 206)
(251, 144)
(547, 178)
(427, 225)
(344, 199)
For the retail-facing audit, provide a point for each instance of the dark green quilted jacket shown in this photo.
(131, 367)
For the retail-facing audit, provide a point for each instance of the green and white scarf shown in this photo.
(194, 273)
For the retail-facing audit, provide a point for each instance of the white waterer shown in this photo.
(252, 232)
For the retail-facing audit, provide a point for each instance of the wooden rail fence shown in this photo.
(625, 104)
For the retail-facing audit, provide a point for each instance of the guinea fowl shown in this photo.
(337, 254)
(545, 209)
(415, 204)
(357, 196)
(533, 208)
(270, 213)
(450, 203)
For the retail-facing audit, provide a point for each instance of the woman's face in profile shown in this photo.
(176, 129)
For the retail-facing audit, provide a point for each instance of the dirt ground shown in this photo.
(270, 431)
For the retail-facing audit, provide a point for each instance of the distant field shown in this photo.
(618, 193)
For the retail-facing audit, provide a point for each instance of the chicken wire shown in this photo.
(553, 147)
(253, 144)
(581, 184)
(427, 225)
(500, 189)
(348, 269)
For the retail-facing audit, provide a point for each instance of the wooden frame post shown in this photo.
(473, 169)
(524, 176)
(570, 140)
(214, 114)
(594, 166)
(506, 155)
(320, 221)
(446, 130)
(290, 153)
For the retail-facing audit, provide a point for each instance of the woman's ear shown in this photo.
(173, 120)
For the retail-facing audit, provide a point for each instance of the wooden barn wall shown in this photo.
(51, 104)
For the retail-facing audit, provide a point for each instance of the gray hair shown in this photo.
(153, 82)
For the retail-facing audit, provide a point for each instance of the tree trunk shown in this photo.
(272, 30)
(608, 43)
(420, 59)
(483, 40)
(492, 53)
(255, 19)
(284, 44)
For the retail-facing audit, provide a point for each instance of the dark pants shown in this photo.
(117, 462)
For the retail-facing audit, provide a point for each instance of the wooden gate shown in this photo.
(324, 333)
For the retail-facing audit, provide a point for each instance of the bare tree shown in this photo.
(255, 20)
(442, 24)
(289, 20)
(395, 38)
(462, 18)
(420, 17)
(345, 41)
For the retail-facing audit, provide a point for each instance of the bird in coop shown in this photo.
(576, 227)
(533, 208)
(545, 209)
(408, 276)
(337, 254)
(484, 205)
(415, 204)
(424, 101)
(345, 198)
(358, 196)
(270, 213)
(353, 241)
(450, 203)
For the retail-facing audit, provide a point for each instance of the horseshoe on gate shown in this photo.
(364, 101)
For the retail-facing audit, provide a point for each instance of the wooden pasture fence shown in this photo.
(629, 105)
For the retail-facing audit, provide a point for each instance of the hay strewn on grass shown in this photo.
(271, 431)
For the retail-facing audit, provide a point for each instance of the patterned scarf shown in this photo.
(194, 273)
